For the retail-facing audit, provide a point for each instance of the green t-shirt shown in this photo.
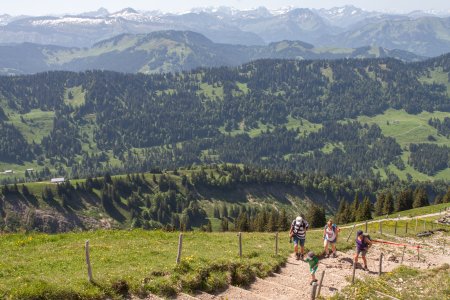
(312, 261)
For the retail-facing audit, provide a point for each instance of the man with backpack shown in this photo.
(330, 235)
(298, 233)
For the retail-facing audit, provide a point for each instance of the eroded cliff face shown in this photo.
(18, 213)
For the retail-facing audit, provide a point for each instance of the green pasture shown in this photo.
(407, 128)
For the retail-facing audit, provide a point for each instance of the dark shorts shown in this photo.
(300, 241)
(363, 252)
(331, 242)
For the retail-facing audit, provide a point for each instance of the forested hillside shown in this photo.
(304, 116)
(210, 198)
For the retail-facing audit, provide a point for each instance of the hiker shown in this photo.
(363, 243)
(313, 262)
(298, 233)
(330, 235)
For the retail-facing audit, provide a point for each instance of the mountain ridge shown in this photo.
(335, 27)
(167, 51)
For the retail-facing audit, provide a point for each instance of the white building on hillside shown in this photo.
(57, 180)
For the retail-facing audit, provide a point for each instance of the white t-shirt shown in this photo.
(330, 233)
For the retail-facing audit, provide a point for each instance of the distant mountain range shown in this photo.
(423, 33)
(168, 51)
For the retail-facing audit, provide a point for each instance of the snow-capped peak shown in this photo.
(131, 15)
(4, 19)
(100, 13)
(73, 20)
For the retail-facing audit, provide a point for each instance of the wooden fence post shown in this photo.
(313, 291)
(276, 243)
(406, 228)
(354, 270)
(381, 263)
(351, 232)
(88, 262)
(320, 283)
(180, 246)
(240, 244)
(395, 228)
(418, 254)
(403, 254)
(366, 227)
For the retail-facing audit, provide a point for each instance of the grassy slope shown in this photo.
(438, 76)
(35, 264)
(402, 283)
(78, 96)
(407, 129)
(37, 124)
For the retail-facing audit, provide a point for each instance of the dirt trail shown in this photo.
(390, 219)
(292, 282)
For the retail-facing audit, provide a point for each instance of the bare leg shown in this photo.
(326, 247)
(334, 247)
(365, 261)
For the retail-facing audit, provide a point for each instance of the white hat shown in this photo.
(298, 219)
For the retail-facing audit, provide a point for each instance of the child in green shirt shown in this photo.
(313, 262)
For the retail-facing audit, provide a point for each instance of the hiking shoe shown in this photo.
(312, 281)
(301, 256)
(366, 268)
(334, 255)
(327, 255)
(297, 256)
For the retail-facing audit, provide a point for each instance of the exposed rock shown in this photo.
(445, 220)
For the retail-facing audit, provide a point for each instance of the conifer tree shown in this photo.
(404, 200)
(224, 225)
(272, 221)
(316, 216)
(379, 204)
(365, 210)
(446, 198)
(354, 208)
(388, 205)
(25, 191)
(242, 222)
(209, 226)
(342, 214)
(438, 199)
(420, 198)
(260, 221)
(216, 212)
(283, 223)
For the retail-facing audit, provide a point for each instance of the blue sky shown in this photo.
(40, 7)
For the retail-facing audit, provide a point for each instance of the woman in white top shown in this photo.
(330, 235)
